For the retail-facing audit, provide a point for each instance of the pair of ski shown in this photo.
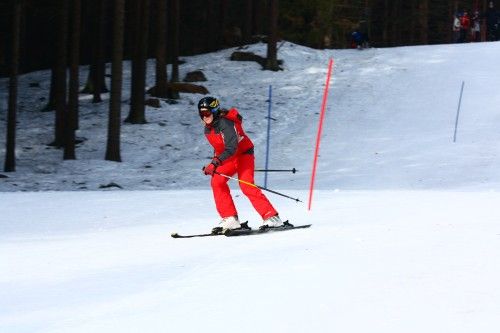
(245, 230)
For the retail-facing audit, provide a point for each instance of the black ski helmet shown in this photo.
(210, 103)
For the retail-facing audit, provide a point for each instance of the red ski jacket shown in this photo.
(227, 136)
(465, 22)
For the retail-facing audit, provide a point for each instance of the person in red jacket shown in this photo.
(464, 26)
(233, 154)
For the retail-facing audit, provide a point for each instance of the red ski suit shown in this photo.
(235, 151)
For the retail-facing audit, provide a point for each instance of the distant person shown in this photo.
(476, 27)
(456, 28)
(464, 26)
(233, 154)
(359, 40)
(492, 17)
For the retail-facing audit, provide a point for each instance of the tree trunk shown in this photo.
(396, 23)
(175, 18)
(368, 14)
(96, 41)
(258, 13)
(72, 113)
(135, 22)
(100, 65)
(137, 107)
(113, 144)
(160, 89)
(51, 105)
(96, 83)
(272, 52)
(211, 29)
(414, 22)
(483, 24)
(10, 148)
(424, 21)
(175, 40)
(61, 64)
(247, 27)
(386, 20)
(222, 22)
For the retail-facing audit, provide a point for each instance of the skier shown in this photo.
(456, 28)
(464, 26)
(476, 27)
(233, 153)
(357, 39)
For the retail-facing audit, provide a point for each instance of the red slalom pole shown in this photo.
(320, 128)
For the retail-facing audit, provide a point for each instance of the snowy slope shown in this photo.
(373, 261)
(405, 234)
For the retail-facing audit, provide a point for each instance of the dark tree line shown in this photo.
(209, 25)
(129, 24)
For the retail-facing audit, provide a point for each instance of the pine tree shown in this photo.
(137, 97)
(272, 39)
(424, 21)
(160, 89)
(96, 84)
(10, 156)
(113, 143)
(175, 40)
(60, 71)
(100, 70)
(72, 112)
(247, 22)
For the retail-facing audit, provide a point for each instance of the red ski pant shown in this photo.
(243, 165)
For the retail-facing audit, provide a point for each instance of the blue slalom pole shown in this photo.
(268, 134)
(458, 112)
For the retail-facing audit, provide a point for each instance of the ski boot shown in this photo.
(272, 222)
(230, 222)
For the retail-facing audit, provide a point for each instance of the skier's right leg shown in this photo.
(223, 199)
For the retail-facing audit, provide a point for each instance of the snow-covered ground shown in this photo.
(406, 225)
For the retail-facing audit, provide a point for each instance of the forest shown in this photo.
(62, 35)
(208, 25)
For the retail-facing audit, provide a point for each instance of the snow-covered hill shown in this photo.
(405, 236)
(389, 125)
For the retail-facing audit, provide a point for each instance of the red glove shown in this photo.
(209, 169)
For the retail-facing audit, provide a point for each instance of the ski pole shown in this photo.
(257, 186)
(458, 112)
(277, 170)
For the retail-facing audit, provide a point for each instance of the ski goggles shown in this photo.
(205, 113)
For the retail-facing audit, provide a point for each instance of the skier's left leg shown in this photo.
(246, 165)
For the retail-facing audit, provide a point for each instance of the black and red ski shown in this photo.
(264, 229)
(215, 232)
(245, 230)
